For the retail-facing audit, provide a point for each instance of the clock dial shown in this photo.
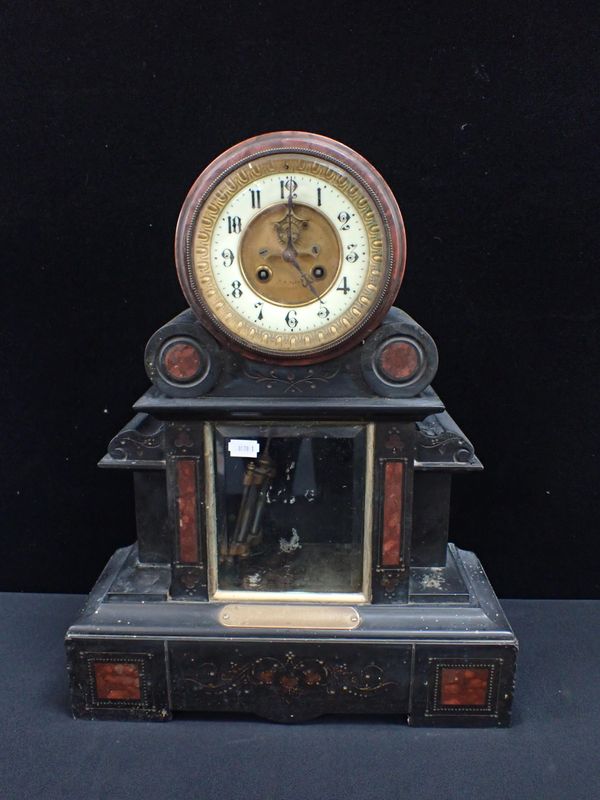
(289, 255)
(316, 243)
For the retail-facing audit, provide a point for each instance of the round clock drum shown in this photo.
(290, 247)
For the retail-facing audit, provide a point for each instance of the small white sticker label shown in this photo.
(244, 448)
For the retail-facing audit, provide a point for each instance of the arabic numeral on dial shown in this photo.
(290, 319)
(352, 255)
(237, 289)
(234, 224)
(285, 187)
(343, 287)
(344, 218)
(228, 257)
(259, 306)
(255, 196)
(323, 312)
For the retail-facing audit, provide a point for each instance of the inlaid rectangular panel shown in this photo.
(290, 681)
(116, 680)
(187, 507)
(393, 507)
(464, 686)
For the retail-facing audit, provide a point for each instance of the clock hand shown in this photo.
(289, 244)
(290, 254)
(290, 257)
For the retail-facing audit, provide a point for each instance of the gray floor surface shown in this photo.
(552, 750)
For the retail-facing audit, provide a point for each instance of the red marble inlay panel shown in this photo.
(462, 686)
(182, 361)
(393, 488)
(187, 505)
(399, 361)
(117, 681)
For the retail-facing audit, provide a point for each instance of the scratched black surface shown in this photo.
(481, 118)
(550, 752)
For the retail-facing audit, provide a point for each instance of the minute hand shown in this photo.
(290, 256)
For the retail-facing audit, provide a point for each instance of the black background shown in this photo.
(481, 116)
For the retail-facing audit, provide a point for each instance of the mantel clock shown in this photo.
(292, 467)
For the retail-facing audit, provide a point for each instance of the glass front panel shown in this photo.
(290, 507)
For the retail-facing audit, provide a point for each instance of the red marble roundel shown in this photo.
(399, 360)
(182, 361)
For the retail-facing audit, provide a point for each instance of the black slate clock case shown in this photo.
(427, 641)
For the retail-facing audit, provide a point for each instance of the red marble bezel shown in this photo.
(301, 143)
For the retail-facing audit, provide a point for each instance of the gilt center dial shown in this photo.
(278, 236)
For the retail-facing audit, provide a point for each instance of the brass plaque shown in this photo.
(261, 615)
